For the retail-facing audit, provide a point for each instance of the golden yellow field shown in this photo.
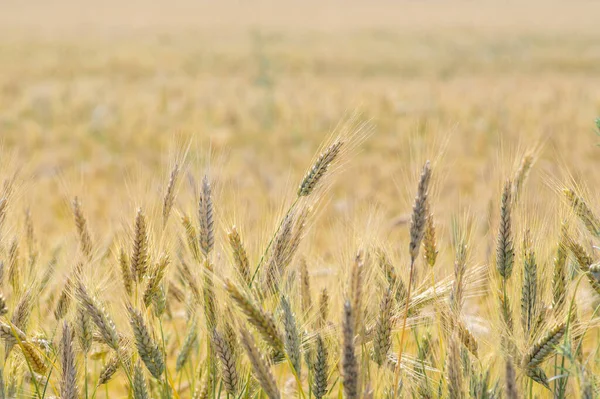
(102, 102)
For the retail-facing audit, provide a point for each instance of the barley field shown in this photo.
(299, 199)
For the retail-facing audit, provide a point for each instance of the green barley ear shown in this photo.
(521, 175)
(323, 308)
(419, 214)
(429, 240)
(139, 255)
(544, 347)
(559, 277)
(538, 375)
(206, 218)
(126, 272)
(68, 382)
(85, 329)
(320, 369)
(581, 256)
(148, 350)
(529, 300)
(350, 372)
(505, 252)
(394, 281)
(319, 168)
(109, 369)
(356, 287)
(85, 240)
(139, 388)
(584, 212)
(262, 321)
(99, 316)
(190, 339)
(240, 255)
(383, 333)
(14, 270)
(169, 197)
(192, 237)
(305, 287)
(155, 279)
(292, 337)
(260, 367)
(227, 357)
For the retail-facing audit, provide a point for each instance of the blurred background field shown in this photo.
(97, 100)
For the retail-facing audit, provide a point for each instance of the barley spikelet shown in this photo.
(147, 349)
(356, 283)
(323, 307)
(505, 252)
(169, 198)
(262, 321)
(467, 338)
(305, 287)
(529, 287)
(20, 317)
(460, 267)
(68, 382)
(190, 339)
(187, 275)
(279, 252)
(394, 281)
(292, 337)
(14, 272)
(33, 357)
(85, 329)
(510, 381)
(30, 238)
(228, 364)
(521, 175)
(383, 333)
(210, 303)
(139, 388)
(350, 372)
(453, 367)
(594, 283)
(318, 169)
(506, 311)
(429, 240)
(539, 376)
(9, 333)
(99, 316)
(205, 218)
(64, 301)
(139, 255)
(419, 215)
(584, 212)
(544, 347)
(126, 276)
(559, 277)
(260, 368)
(320, 370)
(239, 255)
(191, 237)
(109, 369)
(155, 279)
(85, 240)
(583, 258)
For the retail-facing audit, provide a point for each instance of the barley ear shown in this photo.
(318, 169)
(68, 382)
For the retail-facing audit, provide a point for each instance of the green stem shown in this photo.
(85, 375)
(162, 336)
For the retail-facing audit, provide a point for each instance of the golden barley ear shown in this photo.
(318, 169)
(85, 240)
(169, 198)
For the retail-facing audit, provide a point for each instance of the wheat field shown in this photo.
(296, 200)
